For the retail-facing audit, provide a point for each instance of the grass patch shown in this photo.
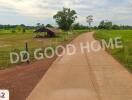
(124, 55)
(16, 42)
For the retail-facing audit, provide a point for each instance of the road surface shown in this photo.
(84, 76)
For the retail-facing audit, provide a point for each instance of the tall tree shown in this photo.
(89, 20)
(65, 18)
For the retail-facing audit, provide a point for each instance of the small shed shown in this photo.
(50, 32)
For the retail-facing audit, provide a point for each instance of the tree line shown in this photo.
(65, 20)
(109, 25)
(23, 28)
(15, 26)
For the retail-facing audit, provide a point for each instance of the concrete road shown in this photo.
(84, 76)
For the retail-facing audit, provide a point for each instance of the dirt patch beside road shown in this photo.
(21, 80)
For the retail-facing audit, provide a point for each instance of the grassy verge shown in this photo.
(124, 55)
(16, 42)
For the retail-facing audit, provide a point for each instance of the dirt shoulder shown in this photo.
(22, 79)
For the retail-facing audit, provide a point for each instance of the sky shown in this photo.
(30, 12)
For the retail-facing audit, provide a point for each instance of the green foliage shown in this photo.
(23, 30)
(13, 31)
(39, 25)
(18, 28)
(65, 18)
(49, 25)
(78, 26)
(105, 25)
(16, 42)
(115, 27)
(123, 55)
(109, 25)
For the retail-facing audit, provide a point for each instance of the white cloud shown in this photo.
(28, 7)
(101, 9)
(46, 8)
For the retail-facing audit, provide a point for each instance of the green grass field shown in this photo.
(16, 42)
(124, 55)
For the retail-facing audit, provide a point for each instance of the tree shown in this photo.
(102, 25)
(89, 20)
(78, 26)
(49, 25)
(95, 27)
(18, 28)
(108, 25)
(42, 25)
(23, 30)
(39, 25)
(22, 25)
(105, 25)
(115, 27)
(13, 31)
(65, 18)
